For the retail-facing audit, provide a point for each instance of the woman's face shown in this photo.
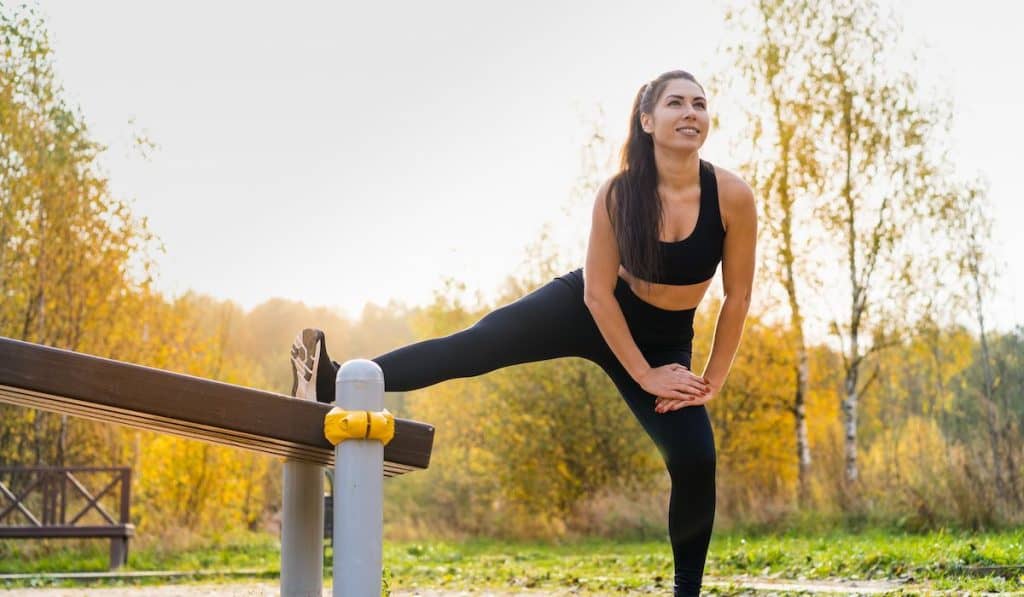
(680, 117)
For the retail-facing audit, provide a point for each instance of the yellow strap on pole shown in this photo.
(341, 424)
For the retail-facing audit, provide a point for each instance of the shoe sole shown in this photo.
(305, 357)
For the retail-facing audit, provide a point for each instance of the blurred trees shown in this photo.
(779, 164)
(539, 450)
(852, 159)
(1000, 366)
(520, 449)
(880, 185)
(66, 245)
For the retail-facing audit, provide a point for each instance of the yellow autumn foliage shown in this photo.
(536, 450)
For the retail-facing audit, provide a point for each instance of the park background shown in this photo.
(185, 187)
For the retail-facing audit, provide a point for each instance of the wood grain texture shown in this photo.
(102, 389)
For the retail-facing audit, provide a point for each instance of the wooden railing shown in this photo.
(81, 385)
(116, 392)
(52, 502)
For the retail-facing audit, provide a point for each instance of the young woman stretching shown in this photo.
(660, 227)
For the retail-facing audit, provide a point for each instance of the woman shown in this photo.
(660, 227)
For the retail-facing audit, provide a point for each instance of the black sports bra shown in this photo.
(695, 258)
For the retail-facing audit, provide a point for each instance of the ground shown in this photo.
(731, 586)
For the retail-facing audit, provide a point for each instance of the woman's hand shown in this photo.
(675, 382)
(663, 405)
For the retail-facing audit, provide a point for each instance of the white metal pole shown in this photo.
(302, 530)
(358, 488)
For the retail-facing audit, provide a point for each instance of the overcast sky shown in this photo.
(338, 153)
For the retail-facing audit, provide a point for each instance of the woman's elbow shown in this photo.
(593, 299)
(738, 296)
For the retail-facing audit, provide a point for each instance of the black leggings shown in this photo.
(553, 322)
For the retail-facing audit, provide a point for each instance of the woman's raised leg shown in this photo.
(548, 323)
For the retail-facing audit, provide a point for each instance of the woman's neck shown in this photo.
(676, 170)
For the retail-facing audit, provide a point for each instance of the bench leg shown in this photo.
(118, 552)
(302, 530)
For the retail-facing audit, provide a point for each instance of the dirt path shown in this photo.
(268, 589)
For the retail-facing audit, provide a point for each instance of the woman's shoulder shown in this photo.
(731, 187)
(606, 191)
(735, 197)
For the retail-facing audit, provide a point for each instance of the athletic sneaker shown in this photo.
(313, 371)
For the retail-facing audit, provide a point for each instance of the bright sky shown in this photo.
(338, 153)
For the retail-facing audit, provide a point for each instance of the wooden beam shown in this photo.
(112, 391)
(58, 532)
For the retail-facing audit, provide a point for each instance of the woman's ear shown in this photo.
(645, 122)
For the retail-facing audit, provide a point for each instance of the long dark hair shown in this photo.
(634, 206)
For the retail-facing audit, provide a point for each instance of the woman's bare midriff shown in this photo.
(670, 297)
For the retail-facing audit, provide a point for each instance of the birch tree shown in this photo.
(844, 151)
(769, 61)
(972, 234)
(882, 164)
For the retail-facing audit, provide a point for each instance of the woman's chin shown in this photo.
(684, 146)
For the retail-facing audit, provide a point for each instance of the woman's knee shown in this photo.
(690, 465)
(690, 455)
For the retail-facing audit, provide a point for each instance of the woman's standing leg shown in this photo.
(553, 322)
(686, 442)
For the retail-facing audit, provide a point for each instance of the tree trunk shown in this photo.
(988, 386)
(850, 424)
(803, 447)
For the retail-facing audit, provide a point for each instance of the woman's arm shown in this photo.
(738, 258)
(600, 275)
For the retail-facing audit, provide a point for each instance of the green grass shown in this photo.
(943, 560)
(250, 551)
(612, 566)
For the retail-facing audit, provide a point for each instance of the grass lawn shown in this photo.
(942, 560)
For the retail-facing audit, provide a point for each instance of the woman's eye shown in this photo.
(674, 103)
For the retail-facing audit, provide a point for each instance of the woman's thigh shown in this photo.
(549, 322)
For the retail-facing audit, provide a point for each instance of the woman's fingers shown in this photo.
(679, 384)
(670, 394)
(695, 380)
(676, 400)
(671, 404)
(692, 385)
(676, 397)
(696, 385)
(687, 374)
(681, 391)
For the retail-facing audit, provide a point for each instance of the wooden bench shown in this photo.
(56, 502)
(106, 390)
(116, 392)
